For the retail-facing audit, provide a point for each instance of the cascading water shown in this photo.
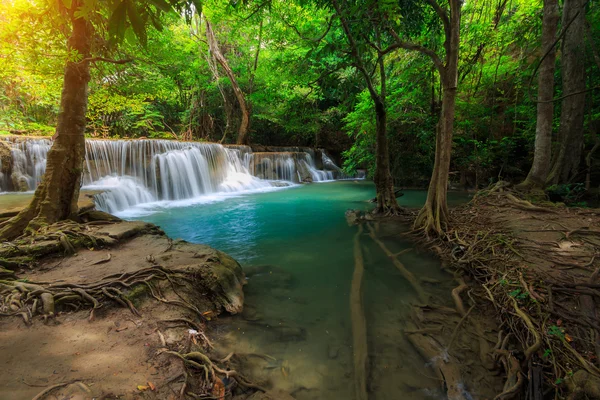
(294, 166)
(132, 172)
(27, 166)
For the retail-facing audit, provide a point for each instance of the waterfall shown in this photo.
(294, 166)
(131, 172)
(28, 164)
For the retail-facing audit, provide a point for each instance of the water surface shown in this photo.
(297, 249)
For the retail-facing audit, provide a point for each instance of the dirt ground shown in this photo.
(115, 353)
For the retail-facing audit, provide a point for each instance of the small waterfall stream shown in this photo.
(131, 172)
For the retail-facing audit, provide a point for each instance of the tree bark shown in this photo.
(56, 197)
(566, 163)
(434, 215)
(213, 45)
(545, 108)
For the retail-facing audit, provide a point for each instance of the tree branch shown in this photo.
(400, 44)
(108, 60)
(443, 16)
(355, 54)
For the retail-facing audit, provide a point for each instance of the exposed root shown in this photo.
(405, 272)
(50, 389)
(456, 296)
(359, 321)
(444, 365)
(548, 320)
(26, 299)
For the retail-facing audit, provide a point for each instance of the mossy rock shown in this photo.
(220, 278)
(5, 158)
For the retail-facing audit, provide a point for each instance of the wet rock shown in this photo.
(263, 277)
(222, 281)
(124, 230)
(5, 158)
(333, 351)
(95, 215)
(287, 333)
(250, 313)
(19, 182)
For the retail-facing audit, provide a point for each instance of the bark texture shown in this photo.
(566, 163)
(434, 215)
(545, 108)
(213, 45)
(56, 197)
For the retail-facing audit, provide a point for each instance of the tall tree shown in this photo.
(570, 137)
(56, 197)
(545, 107)
(386, 199)
(434, 215)
(213, 45)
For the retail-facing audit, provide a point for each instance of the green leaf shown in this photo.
(67, 3)
(162, 5)
(137, 23)
(116, 23)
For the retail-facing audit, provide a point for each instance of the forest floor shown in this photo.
(124, 316)
(527, 276)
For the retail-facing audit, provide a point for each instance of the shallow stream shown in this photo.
(297, 249)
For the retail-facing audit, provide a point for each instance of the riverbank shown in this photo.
(115, 308)
(527, 275)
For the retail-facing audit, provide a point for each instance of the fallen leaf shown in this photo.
(568, 337)
(152, 387)
(218, 390)
(141, 388)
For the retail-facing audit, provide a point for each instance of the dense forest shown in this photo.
(283, 73)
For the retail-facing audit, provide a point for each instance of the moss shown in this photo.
(137, 294)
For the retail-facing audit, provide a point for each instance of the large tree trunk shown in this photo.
(214, 49)
(545, 108)
(434, 215)
(56, 197)
(566, 163)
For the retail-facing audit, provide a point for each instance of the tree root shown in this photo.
(456, 296)
(27, 299)
(444, 365)
(50, 389)
(405, 272)
(359, 322)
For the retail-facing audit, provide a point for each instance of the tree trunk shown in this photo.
(545, 108)
(384, 185)
(214, 49)
(434, 215)
(386, 198)
(56, 197)
(566, 163)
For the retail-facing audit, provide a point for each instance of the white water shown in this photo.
(155, 173)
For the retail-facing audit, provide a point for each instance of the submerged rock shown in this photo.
(263, 277)
(333, 351)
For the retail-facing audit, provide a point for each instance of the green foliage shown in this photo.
(291, 60)
(569, 194)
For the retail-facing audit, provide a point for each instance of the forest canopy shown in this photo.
(292, 64)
